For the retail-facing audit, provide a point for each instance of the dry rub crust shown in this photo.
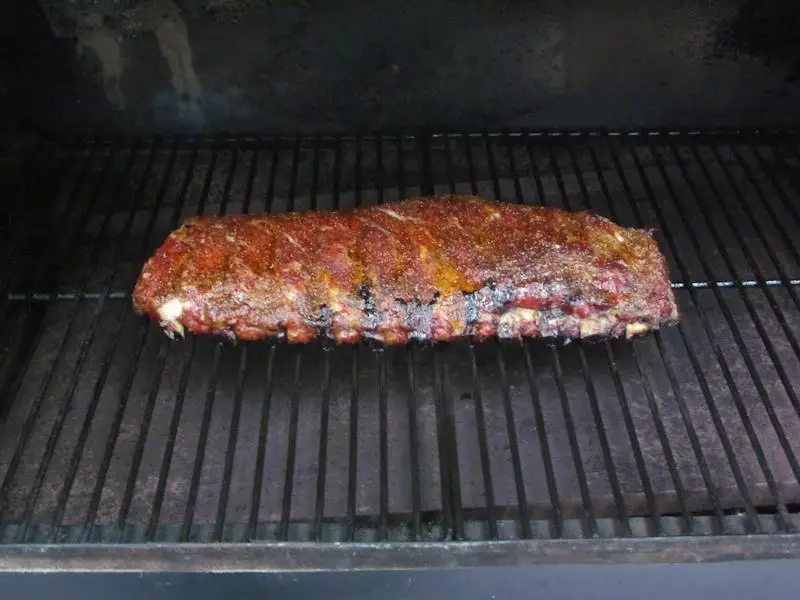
(434, 268)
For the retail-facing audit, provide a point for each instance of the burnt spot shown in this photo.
(324, 320)
(471, 309)
(575, 298)
(501, 295)
(365, 293)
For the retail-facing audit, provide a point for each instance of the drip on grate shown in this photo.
(111, 432)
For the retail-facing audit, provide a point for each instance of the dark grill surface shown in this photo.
(113, 433)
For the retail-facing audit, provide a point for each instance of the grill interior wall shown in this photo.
(111, 432)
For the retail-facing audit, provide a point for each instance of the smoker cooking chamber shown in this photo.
(112, 433)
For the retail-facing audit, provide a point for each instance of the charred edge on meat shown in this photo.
(418, 315)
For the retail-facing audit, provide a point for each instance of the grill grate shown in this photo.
(112, 433)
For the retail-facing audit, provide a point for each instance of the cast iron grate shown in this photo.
(112, 433)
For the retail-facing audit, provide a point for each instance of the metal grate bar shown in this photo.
(624, 404)
(493, 170)
(263, 430)
(786, 203)
(358, 172)
(179, 400)
(757, 447)
(205, 425)
(537, 173)
(352, 462)
(68, 396)
(751, 310)
(785, 135)
(698, 370)
(510, 422)
(774, 419)
(513, 441)
(233, 434)
(47, 297)
(380, 358)
(483, 446)
(448, 451)
(780, 191)
(413, 449)
(57, 430)
(451, 175)
(315, 158)
(557, 525)
(449, 466)
(590, 522)
(513, 171)
(427, 182)
(383, 446)
(74, 464)
(792, 338)
(286, 500)
(222, 505)
(401, 171)
(714, 413)
(688, 522)
(251, 176)
(414, 443)
(286, 504)
(226, 194)
(511, 426)
(473, 180)
(352, 472)
(322, 456)
(673, 379)
(616, 490)
(720, 360)
(144, 427)
(268, 386)
(598, 419)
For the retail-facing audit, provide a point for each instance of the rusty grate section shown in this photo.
(112, 433)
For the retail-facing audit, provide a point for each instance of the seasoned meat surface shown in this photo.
(435, 268)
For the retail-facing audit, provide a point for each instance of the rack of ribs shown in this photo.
(436, 268)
